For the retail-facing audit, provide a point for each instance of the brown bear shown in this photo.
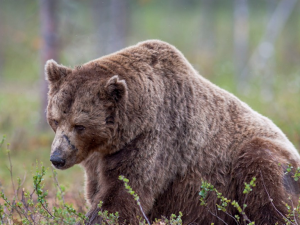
(145, 113)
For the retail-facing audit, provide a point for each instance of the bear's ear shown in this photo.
(116, 88)
(54, 72)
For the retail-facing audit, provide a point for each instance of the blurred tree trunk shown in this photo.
(100, 11)
(1, 39)
(261, 60)
(119, 24)
(207, 35)
(241, 33)
(271, 6)
(268, 68)
(49, 49)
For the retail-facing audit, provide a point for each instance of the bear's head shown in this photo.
(84, 112)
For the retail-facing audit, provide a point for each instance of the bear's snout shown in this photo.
(56, 160)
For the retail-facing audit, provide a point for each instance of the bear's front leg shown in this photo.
(103, 185)
(117, 199)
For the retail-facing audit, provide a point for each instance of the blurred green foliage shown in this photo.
(178, 22)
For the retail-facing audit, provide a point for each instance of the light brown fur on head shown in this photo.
(145, 113)
(81, 111)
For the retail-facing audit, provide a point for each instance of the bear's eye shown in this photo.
(109, 120)
(55, 122)
(79, 128)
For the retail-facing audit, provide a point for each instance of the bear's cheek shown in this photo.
(95, 136)
(82, 150)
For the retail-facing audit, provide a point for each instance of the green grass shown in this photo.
(19, 110)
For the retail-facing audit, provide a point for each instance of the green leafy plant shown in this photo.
(174, 220)
(35, 207)
(136, 197)
(206, 188)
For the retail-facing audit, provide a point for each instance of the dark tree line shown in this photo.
(49, 49)
(1, 38)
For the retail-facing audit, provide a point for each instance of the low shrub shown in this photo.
(37, 207)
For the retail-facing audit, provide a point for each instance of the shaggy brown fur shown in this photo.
(145, 113)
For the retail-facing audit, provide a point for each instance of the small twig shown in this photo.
(16, 208)
(245, 217)
(94, 215)
(144, 213)
(57, 184)
(32, 193)
(20, 212)
(272, 200)
(12, 181)
(216, 215)
(20, 185)
(13, 206)
(244, 202)
(23, 213)
(7, 208)
(232, 217)
(10, 171)
(294, 212)
(25, 174)
(47, 210)
(26, 206)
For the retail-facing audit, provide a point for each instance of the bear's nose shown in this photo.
(57, 161)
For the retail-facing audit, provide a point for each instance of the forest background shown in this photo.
(250, 48)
